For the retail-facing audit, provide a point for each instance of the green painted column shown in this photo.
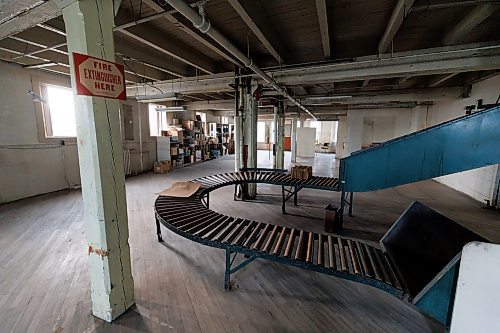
(293, 139)
(280, 134)
(250, 130)
(275, 137)
(89, 31)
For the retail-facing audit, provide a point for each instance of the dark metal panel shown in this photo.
(421, 243)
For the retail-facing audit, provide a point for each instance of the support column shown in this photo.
(302, 120)
(89, 28)
(280, 143)
(275, 137)
(294, 138)
(238, 134)
(250, 130)
(238, 147)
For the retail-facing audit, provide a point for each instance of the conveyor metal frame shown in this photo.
(254, 254)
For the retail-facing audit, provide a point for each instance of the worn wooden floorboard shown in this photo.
(44, 284)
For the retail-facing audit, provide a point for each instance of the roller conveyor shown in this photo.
(415, 261)
(299, 248)
(267, 177)
(339, 256)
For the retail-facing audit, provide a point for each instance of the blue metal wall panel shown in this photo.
(438, 300)
(461, 144)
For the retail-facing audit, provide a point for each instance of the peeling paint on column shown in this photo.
(101, 252)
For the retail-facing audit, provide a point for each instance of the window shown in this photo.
(261, 131)
(157, 120)
(59, 111)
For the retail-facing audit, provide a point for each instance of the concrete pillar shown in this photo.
(280, 143)
(89, 31)
(302, 120)
(250, 131)
(293, 139)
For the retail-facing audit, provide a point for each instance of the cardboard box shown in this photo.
(166, 166)
(301, 172)
(157, 168)
(188, 124)
(162, 167)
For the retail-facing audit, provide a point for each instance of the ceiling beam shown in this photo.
(188, 28)
(48, 65)
(323, 25)
(123, 49)
(440, 79)
(459, 60)
(398, 15)
(54, 48)
(254, 16)
(61, 59)
(443, 60)
(484, 76)
(221, 105)
(454, 4)
(300, 90)
(404, 96)
(20, 15)
(212, 96)
(474, 18)
(151, 37)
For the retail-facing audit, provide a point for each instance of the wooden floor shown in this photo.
(44, 285)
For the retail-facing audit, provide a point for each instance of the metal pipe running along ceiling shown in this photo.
(203, 24)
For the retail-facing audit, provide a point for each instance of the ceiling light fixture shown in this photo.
(172, 108)
(159, 98)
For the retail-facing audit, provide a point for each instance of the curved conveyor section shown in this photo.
(329, 254)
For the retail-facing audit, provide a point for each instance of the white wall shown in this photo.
(328, 132)
(31, 164)
(478, 183)
(364, 126)
(386, 124)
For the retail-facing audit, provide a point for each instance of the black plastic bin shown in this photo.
(332, 219)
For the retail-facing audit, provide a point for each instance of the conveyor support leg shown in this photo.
(158, 231)
(351, 196)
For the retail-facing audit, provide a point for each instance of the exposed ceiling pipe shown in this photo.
(203, 24)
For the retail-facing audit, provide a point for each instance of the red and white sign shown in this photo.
(97, 77)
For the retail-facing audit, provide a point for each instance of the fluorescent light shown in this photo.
(171, 109)
(159, 98)
(321, 98)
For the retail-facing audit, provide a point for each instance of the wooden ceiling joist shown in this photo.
(123, 49)
(441, 79)
(252, 13)
(398, 15)
(152, 37)
(323, 25)
(188, 28)
(469, 22)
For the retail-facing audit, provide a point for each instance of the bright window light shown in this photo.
(62, 112)
(157, 120)
(261, 131)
